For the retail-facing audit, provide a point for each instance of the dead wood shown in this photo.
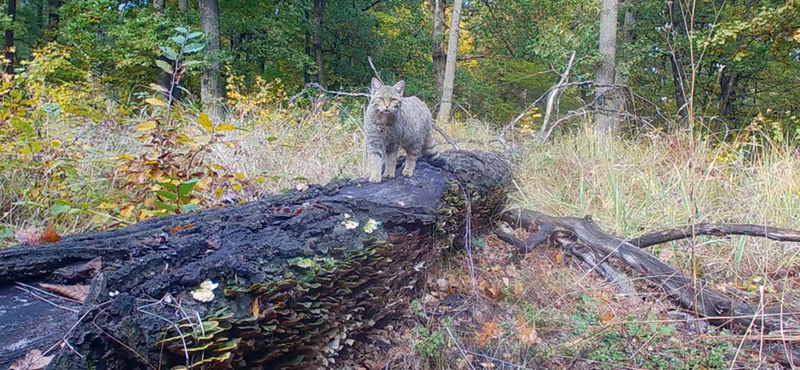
(686, 232)
(303, 278)
(694, 296)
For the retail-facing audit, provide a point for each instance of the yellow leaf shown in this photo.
(606, 317)
(205, 122)
(156, 102)
(239, 175)
(125, 212)
(236, 187)
(218, 193)
(55, 143)
(106, 205)
(215, 167)
(146, 126)
(124, 156)
(224, 127)
(559, 258)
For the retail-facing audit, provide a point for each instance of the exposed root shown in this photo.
(583, 238)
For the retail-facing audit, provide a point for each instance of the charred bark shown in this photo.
(302, 276)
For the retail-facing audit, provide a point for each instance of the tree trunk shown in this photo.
(53, 18)
(12, 13)
(607, 115)
(628, 37)
(678, 75)
(300, 275)
(158, 5)
(450, 67)
(319, 8)
(210, 88)
(183, 6)
(437, 54)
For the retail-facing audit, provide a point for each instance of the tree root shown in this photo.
(584, 239)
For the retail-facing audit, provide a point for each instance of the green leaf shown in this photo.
(166, 194)
(59, 208)
(193, 47)
(271, 139)
(181, 29)
(165, 206)
(168, 52)
(165, 66)
(189, 207)
(178, 39)
(186, 187)
(194, 35)
(168, 185)
(5, 232)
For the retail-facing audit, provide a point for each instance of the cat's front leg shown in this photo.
(374, 165)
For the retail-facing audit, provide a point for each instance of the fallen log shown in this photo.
(694, 295)
(287, 282)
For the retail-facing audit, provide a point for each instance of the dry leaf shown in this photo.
(33, 360)
(254, 308)
(49, 235)
(488, 331)
(77, 292)
(177, 228)
(28, 236)
(559, 258)
(525, 333)
(606, 317)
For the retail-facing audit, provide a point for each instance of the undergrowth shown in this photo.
(76, 160)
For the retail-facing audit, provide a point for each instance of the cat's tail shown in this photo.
(431, 154)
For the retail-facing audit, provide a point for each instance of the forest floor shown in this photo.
(544, 311)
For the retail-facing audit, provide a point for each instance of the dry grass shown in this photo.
(571, 318)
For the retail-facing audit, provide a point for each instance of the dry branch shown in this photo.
(696, 297)
(686, 232)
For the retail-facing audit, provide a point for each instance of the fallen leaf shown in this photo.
(28, 236)
(77, 292)
(559, 258)
(177, 228)
(254, 308)
(606, 317)
(488, 331)
(49, 235)
(525, 333)
(33, 360)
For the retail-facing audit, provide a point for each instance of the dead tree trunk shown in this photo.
(302, 276)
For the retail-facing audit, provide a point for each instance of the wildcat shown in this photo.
(392, 121)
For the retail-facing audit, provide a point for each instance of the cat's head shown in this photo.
(386, 98)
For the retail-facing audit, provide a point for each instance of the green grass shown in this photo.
(630, 187)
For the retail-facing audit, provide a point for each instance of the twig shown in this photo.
(338, 93)
(464, 355)
(772, 233)
(26, 286)
(369, 58)
(56, 305)
(446, 137)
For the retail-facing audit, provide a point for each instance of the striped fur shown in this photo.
(392, 121)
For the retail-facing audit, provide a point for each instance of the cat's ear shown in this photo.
(399, 86)
(376, 84)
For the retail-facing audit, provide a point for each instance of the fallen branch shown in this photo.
(696, 297)
(772, 233)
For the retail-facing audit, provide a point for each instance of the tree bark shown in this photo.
(158, 5)
(300, 275)
(678, 75)
(450, 66)
(12, 13)
(607, 115)
(210, 88)
(183, 6)
(319, 9)
(437, 54)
